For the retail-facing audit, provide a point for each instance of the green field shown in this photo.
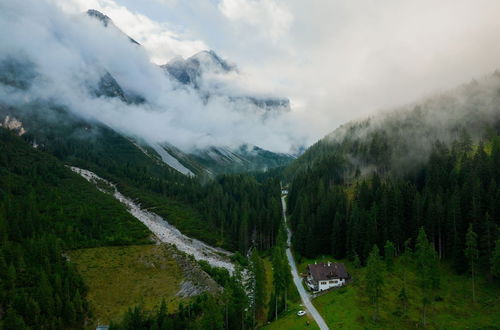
(126, 276)
(452, 307)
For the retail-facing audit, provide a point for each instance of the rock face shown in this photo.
(100, 16)
(109, 87)
(106, 21)
(190, 71)
(193, 71)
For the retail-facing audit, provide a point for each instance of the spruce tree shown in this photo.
(389, 254)
(426, 260)
(472, 254)
(374, 279)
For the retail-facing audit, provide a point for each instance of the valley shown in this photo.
(245, 165)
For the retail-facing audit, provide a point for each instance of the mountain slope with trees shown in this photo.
(46, 209)
(423, 178)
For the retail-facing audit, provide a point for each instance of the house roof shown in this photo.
(325, 271)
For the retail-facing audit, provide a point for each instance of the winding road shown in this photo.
(304, 295)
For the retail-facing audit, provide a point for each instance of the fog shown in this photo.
(70, 54)
(336, 60)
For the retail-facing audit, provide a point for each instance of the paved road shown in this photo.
(304, 295)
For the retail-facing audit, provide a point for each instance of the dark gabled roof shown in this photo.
(325, 271)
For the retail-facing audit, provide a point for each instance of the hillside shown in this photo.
(401, 139)
(429, 170)
(45, 209)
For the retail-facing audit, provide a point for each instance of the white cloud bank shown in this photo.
(267, 16)
(339, 60)
(72, 52)
(336, 60)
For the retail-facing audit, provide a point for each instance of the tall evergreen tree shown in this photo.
(389, 255)
(427, 264)
(374, 279)
(472, 254)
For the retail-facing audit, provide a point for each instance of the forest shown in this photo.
(244, 208)
(46, 209)
(455, 188)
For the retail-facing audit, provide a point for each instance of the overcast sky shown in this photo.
(336, 60)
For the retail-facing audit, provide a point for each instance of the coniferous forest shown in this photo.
(455, 188)
(45, 209)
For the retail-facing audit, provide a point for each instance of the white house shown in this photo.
(323, 276)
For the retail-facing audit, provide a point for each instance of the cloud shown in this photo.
(269, 17)
(336, 60)
(160, 39)
(70, 54)
(342, 60)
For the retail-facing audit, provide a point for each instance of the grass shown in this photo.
(123, 277)
(268, 288)
(291, 321)
(452, 307)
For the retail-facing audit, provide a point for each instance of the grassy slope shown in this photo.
(123, 277)
(350, 309)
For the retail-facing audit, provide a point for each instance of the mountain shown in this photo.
(107, 22)
(243, 159)
(189, 71)
(21, 73)
(433, 165)
(414, 190)
(194, 70)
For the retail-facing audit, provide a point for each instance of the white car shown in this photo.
(301, 313)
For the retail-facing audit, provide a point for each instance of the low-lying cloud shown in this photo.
(70, 54)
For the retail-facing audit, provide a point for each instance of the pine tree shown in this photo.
(472, 254)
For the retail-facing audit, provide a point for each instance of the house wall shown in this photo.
(325, 285)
